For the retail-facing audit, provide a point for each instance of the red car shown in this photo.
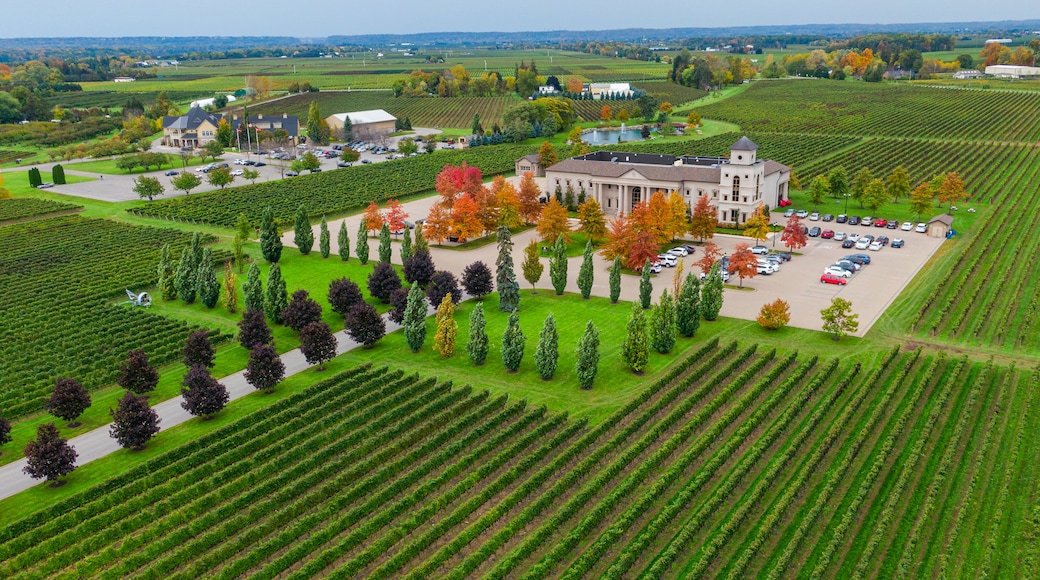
(832, 279)
(879, 223)
(827, 234)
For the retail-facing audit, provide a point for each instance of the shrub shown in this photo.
(774, 315)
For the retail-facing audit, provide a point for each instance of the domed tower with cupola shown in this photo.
(740, 183)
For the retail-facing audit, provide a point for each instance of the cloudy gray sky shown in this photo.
(319, 18)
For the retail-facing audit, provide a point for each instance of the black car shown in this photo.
(848, 243)
(784, 256)
(883, 240)
(892, 224)
(828, 217)
(343, 164)
(814, 232)
(171, 172)
(854, 220)
(258, 164)
(842, 218)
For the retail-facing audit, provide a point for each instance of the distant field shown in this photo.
(24, 207)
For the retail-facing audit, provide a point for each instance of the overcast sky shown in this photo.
(320, 18)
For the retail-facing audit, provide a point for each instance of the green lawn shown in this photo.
(964, 220)
(108, 166)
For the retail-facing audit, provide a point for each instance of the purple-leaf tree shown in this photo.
(253, 330)
(203, 395)
(68, 401)
(318, 344)
(265, 368)
(365, 325)
(133, 422)
(136, 375)
(301, 311)
(49, 456)
(198, 350)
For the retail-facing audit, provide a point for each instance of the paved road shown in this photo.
(98, 443)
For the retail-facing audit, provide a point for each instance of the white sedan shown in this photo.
(835, 271)
(921, 228)
(907, 226)
(839, 236)
(236, 172)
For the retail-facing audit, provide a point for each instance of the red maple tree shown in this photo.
(743, 263)
(395, 216)
(711, 254)
(373, 218)
(793, 235)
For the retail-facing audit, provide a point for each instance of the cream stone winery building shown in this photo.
(736, 185)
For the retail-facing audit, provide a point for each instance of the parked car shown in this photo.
(655, 268)
(259, 164)
(853, 236)
(907, 226)
(892, 224)
(814, 216)
(921, 228)
(883, 240)
(875, 246)
(864, 258)
(788, 213)
(848, 243)
(880, 223)
(291, 174)
(343, 164)
(668, 260)
(854, 220)
(827, 234)
(814, 232)
(862, 244)
(802, 213)
(898, 243)
(171, 172)
(766, 269)
(848, 265)
(679, 251)
(45, 185)
(774, 260)
(690, 249)
(832, 279)
(842, 218)
(759, 250)
(236, 172)
(836, 271)
(869, 238)
(839, 236)
(784, 256)
(867, 221)
(828, 217)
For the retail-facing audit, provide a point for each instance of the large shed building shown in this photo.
(364, 124)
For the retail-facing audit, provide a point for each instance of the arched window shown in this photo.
(736, 184)
(637, 195)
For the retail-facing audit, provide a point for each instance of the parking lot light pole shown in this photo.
(775, 230)
(846, 205)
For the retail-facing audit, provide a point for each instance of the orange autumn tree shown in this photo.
(680, 221)
(437, 226)
(952, 189)
(704, 220)
(793, 235)
(619, 232)
(605, 113)
(530, 207)
(644, 246)
(395, 216)
(711, 254)
(464, 221)
(553, 222)
(373, 218)
(652, 218)
(455, 180)
(743, 263)
(487, 209)
(508, 205)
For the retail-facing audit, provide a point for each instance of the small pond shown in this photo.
(608, 136)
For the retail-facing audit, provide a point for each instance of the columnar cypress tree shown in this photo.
(420, 240)
(508, 289)
(344, 241)
(362, 243)
(477, 347)
(688, 315)
(133, 422)
(447, 328)
(196, 249)
(270, 242)
(230, 288)
(547, 353)
(49, 455)
(34, 177)
(662, 324)
(558, 265)
(265, 368)
(208, 286)
(636, 349)
(415, 318)
(198, 350)
(615, 280)
(303, 237)
(645, 288)
(253, 330)
(58, 175)
(203, 395)
(68, 401)
(587, 358)
(277, 297)
(243, 232)
(184, 280)
(711, 294)
(253, 289)
(513, 343)
(406, 245)
(384, 244)
(323, 238)
(166, 271)
(136, 374)
(585, 273)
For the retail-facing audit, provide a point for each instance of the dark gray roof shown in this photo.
(290, 124)
(190, 121)
(653, 172)
(533, 158)
(744, 144)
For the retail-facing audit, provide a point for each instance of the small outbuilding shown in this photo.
(940, 226)
(530, 163)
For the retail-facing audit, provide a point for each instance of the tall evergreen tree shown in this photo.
(420, 240)
(277, 297)
(513, 343)
(265, 368)
(532, 266)
(324, 242)
(203, 395)
(133, 422)
(447, 328)
(198, 350)
(362, 244)
(688, 315)
(384, 244)
(587, 358)
(207, 284)
(558, 265)
(253, 330)
(636, 349)
(270, 242)
(478, 345)
(303, 237)
(136, 375)
(711, 293)
(167, 274)
(406, 245)
(253, 289)
(585, 272)
(344, 241)
(615, 280)
(547, 353)
(196, 248)
(415, 318)
(243, 232)
(49, 455)
(184, 279)
(662, 324)
(505, 278)
(646, 289)
(68, 401)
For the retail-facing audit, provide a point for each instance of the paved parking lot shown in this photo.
(870, 290)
